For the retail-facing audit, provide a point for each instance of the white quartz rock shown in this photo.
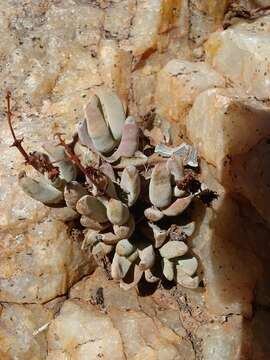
(242, 54)
(85, 332)
(229, 132)
(230, 267)
(149, 327)
(23, 330)
(146, 338)
(115, 68)
(118, 18)
(41, 263)
(205, 17)
(222, 125)
(178, 84)
(225, 340)
(152, 18)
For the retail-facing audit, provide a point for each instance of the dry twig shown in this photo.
(38, 160)
(95, 176)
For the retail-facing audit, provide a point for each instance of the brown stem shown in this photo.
(17, 142)
(39, 161)
(95, 176)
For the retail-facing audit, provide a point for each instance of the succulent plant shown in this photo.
(126, 195)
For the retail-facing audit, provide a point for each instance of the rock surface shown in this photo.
(40, 264)
(183, 81)
(231, 268)
(102, 320)
(233, 124)
(53, 56)
(247, 48)
(205, 18)
(227, 341)
(230, 130)
(23, 330)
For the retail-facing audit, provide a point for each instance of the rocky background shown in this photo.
(202, 65)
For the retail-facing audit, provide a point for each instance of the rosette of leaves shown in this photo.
(127, 197)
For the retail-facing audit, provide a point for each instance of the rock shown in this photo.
(118, 18)
(53, 56)
(142, 83)
(178, 84)
(55, 40)
(88, 288)
(23, 331)
(41, 263)
(238, 126)
(145, 328)
(17, 210)
(247, 47)
(251, 177)
(259, 330)
(143, 35)
(85, 332)
(205, 17)
(230, 340)
(140, 343)
(231, 269)
(230, 125)
(115, 67)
